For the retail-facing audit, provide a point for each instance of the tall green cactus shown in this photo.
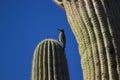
(96, 26)
(49, 62)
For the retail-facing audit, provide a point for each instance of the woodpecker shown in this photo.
(62, 38)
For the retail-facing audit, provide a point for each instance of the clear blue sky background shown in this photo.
(23, 24)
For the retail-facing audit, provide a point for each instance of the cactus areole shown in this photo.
(49, 62)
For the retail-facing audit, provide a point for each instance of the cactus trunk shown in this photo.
(96, 26)
(49, 62)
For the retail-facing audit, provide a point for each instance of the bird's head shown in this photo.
(61, 30)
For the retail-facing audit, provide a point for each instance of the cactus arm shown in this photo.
(48, 62)
(96, 26)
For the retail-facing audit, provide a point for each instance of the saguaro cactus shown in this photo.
(96, 26)
(49, 62)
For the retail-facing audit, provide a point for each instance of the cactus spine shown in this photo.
(49, 62)
(96, 26)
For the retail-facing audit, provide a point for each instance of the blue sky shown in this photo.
(23, 24)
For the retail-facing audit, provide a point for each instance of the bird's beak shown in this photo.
(59, 29)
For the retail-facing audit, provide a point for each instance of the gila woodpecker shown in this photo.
(62, 38)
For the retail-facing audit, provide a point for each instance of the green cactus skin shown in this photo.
(49, 62)
(96, 26)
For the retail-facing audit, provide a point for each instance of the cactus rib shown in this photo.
(49, 62)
